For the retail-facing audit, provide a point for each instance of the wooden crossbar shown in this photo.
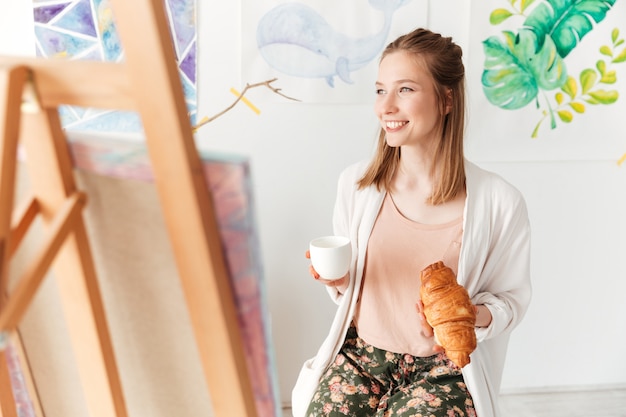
(28, 284)
(24, 218)
(79, 83)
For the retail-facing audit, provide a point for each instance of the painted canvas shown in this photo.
(85, 29)
(23, 402)
(230, 183)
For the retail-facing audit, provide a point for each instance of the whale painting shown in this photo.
(296, 40)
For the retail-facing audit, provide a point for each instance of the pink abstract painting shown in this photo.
(229, 181)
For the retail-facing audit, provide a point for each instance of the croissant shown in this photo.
(449, 311)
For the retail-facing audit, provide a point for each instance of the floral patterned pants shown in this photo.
(365, 381)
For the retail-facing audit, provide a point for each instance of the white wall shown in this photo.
(16, 36)
(574, 333)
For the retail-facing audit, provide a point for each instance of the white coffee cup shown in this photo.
(331, 256)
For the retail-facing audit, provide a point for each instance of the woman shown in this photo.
(418, 201)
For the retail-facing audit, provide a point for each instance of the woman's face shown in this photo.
(406, 102)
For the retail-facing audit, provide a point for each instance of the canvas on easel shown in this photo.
(186, 202)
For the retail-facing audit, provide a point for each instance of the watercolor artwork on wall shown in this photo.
(85, 29)
(324, 52)
(296, 40)
(519, 65)
(556, 68)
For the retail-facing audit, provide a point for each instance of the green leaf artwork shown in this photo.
(526, 65)
(517, 67)
(566, 22)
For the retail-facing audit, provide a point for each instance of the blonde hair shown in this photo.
(443, 59)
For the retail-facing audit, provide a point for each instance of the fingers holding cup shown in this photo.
(330, 256)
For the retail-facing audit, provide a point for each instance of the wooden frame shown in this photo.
(186, 203)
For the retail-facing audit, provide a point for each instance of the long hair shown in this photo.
(443, 59)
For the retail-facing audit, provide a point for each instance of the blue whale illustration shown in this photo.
(295, 40)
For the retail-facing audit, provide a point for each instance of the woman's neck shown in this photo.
(414, 169)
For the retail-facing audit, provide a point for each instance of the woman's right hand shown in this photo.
(341, 283)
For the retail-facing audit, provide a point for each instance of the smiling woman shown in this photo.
(416, 203)
(407, 102)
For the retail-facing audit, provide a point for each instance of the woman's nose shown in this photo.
(386, 104)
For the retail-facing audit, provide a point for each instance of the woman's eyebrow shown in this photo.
(402, 81)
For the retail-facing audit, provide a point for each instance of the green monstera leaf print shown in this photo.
(528, 65)
(518, 66)
(566, 22)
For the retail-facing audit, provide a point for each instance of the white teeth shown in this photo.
(395, 125)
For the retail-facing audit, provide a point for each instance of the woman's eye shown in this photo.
(405, 89)
(380, 91)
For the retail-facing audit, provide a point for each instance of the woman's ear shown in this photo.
(448, 101)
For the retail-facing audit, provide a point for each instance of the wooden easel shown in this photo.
(147, 82)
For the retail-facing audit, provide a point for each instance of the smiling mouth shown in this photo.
(395, 125)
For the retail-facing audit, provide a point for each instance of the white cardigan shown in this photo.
(494, 267)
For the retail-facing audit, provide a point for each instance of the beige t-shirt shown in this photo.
(397, 251)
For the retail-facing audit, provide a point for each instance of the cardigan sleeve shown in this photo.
(504, 283)
(343, 209)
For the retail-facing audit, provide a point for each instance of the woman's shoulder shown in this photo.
(354, 171)
(349, 179)
(481, 180)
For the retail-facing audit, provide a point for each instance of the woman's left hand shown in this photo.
(341, 284)
(483, 316)
(427, 329)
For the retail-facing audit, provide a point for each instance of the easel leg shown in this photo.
(7, 402)
(51, 176)
(187, 205)
(24, 398)
(12, 81)
(28, 382)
